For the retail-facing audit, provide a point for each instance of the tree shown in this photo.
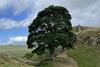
(50, 30)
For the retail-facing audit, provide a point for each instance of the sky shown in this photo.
(16, 16)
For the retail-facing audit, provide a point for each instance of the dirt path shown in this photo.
(66, 61)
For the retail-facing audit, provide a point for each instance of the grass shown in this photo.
(86, 56)
(6, 61)
(14, 50)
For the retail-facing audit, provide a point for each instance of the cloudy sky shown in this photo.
(16, 15)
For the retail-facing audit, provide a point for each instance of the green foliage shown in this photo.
(51, 29)
(28, 55)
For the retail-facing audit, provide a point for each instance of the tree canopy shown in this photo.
(51, 29)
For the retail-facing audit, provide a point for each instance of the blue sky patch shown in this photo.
(9, 13)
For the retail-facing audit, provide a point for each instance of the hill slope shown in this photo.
(89, 36)
(86, 56)
(7, 61)
(87, 50)
(17, 51)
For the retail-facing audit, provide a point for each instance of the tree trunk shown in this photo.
(59, 52)
(50, 55)
(51, 51)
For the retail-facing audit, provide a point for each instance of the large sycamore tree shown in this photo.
(50, 31)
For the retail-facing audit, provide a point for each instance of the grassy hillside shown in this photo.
(17, 51)
(10, 54)
(86, 56)
(7, 61)
(88, 53)
(90, 37)
(62, 60)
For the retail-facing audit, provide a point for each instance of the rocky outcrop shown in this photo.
(89, 36)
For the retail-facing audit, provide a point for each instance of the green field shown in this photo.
(14, 50)
(10, 53)
(85, 56)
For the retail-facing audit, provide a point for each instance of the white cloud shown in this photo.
(84, 12)
(18, 39)
(21, 5)
(6, 23)
(26, 22)
(4, 3)
(18, 5)
(15, 40)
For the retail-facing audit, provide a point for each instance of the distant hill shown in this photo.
(80, 28)
(87, 35)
